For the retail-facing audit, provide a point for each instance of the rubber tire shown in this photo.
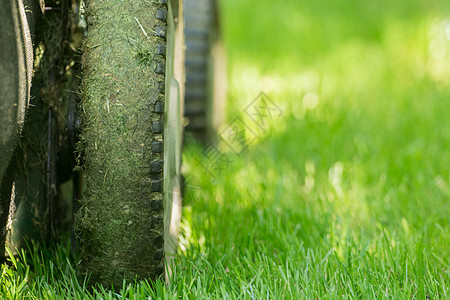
(35, 214)
(130, 142)
(16, 67)
(205, 69)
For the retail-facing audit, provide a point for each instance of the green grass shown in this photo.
(345, 195)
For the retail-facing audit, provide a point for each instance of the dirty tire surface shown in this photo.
(120, 221)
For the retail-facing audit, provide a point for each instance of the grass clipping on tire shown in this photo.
(120, 236)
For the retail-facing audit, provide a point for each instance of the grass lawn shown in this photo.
(344, 192)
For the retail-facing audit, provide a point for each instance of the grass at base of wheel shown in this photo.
(118, 231)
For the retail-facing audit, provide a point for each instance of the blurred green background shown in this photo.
(348, 190)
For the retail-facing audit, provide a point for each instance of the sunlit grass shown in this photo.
(359, 160)
(345, 194)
